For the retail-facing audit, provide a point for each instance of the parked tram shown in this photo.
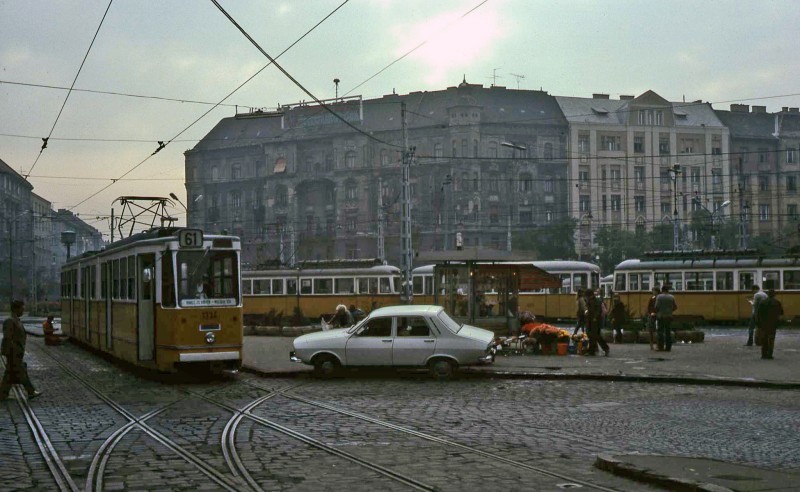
(710, 288)
(560, 303)
(317, 287)
(164, 299)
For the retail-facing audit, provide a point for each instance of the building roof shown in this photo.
(424, 109)
(748, 125)
(5, 168)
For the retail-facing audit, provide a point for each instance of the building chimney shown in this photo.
(599, 96)
(794, 110)
(759, 109)
(740, 108)
(626, 98)
(785, 109)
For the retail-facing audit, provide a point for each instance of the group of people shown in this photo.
(592, 314)
(344, 317)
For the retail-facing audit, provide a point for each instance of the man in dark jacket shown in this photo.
(651, 317)
(768, 317)
(593, 323)
(13, 348)
(665, 306)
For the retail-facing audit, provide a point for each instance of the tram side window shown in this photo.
(385, 285)
(344, 286)
(368, 285)
(699, 280)
(566, 282)
(771, 280)
(131, 277)
(74, 277)
(115, 277)
(323, 286)
(418, 284)
(167, 281)
(93, 282)
(103, 280)
(291, 286)
(305, 286)
(260, 286)
(673, 279)
(619, 283)
(791, 279)
(123, 278)
(277, 286)
(633, 282)
(579, 281)
(724, 280)
(746, 280)
(247, 287)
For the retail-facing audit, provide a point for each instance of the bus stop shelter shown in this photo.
(481, 287)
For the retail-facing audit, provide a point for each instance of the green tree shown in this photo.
(660, 238)
(615, 245)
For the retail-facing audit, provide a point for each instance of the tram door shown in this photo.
(87, 303)
(106, 285)
(145, 282)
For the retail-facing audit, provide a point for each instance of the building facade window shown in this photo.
(236, 199)
(639, 203)
(437, 150)
(385, 157)
(616, 203)
(350, 159)
(791, 184)
(583, 203)
(791, 211)
(549, 185)
(525, 182)
(638, 174)
(663, 146)
(763, 183)
(790, 156)
(493, 150)
(548, 151)
(583, 143)
(638, 144)
(762, 155)
(763, 212)
(610, 142)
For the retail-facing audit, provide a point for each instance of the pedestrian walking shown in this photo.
(769, 315)
(580, 312)
(758, 296)
(593, 323)
(665, 306)
(618, 315)
(13, 348)
(651, 317)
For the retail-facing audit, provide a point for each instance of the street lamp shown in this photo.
(712, 216)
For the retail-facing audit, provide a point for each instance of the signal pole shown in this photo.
(381, 247)
(675, 170)
(405, 223)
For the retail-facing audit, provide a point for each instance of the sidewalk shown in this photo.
(721, 359)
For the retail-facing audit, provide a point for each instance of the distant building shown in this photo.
(87, 238)
(621, 153)
(297, 183)
(16, 235)
(44, 265)
(765, 170)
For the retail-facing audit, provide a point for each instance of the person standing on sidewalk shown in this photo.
(651, 317)
(758, 296)
(580, 308)
(769, 315)
(593, 323)
(665, 306)
(618, 316)
(13, 348)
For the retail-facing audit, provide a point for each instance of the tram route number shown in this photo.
(208, 315)
(190, 238)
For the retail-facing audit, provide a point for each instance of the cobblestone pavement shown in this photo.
(118, 430)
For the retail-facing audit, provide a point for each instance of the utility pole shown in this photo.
(381, 247)
(281, 258)
(674, 171)
(405, 223)
(291, 246)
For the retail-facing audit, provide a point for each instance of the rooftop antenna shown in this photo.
(495, 76)
(336, 83)
(518, 77)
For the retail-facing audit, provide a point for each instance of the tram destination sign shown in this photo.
(190, 238)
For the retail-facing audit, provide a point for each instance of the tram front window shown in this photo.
(208, 278)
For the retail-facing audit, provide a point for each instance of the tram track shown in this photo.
(95, 481)
(51, 457)
(445, 442)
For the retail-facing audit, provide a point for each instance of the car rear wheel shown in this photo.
(325, 366)
(443, 369)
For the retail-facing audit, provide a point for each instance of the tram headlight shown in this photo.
(210, 338)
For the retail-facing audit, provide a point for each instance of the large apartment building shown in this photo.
(640, 161)
(299, 183)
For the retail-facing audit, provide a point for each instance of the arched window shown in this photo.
(464, 152)
(350, 159)
(525, 182)
(281, 195)
(351, 189)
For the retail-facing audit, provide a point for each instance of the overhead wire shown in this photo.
(46, 139)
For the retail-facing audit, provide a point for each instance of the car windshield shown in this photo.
(208, 278)
(449, 322)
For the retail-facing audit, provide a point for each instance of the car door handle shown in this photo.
(429, 341)
(387, 341)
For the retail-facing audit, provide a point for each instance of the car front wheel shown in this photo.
(325, 366)
(442, 369)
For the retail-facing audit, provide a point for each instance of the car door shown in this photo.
(371, 344)
(414, 342)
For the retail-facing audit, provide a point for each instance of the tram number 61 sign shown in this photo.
(190, 238)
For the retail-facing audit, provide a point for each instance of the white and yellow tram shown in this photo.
(162, 299)
(713, 289)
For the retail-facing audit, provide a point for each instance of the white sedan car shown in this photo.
(398, 336)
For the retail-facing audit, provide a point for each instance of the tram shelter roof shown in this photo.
(498, 262)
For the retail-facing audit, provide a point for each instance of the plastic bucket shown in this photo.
(563, 348)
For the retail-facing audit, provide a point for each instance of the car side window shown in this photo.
(412, 326)
(377, 327)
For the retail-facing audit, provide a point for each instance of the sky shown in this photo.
(186, 56)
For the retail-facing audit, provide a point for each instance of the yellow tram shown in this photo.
(164, 299)
(711, 288)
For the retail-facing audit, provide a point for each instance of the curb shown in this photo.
(620, 468)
